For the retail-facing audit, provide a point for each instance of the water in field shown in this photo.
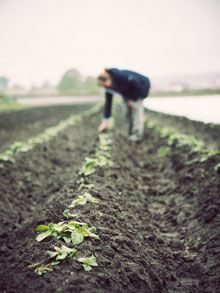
(201, 108)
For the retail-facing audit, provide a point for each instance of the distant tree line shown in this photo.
(3, 83)
(73, 83)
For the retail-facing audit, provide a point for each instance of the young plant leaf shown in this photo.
(69, 215)
(62, 255)
(85, 186)
(33, 265)
(42, 228)
(77, 237)
(62, 252)
(43, 235)
(88, 262)
(43, 269)
(83, 199)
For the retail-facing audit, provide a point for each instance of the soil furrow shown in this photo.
(37, 175)
(157, 218)
(209, 133)
(23, 124)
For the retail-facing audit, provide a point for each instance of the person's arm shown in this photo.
(106, 112)
(108, 105)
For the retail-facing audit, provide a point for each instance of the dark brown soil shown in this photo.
(158, 219)
(208, 132)
(38, 175)
(21, 125)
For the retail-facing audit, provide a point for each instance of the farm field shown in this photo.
(22, 124)
(155, 205)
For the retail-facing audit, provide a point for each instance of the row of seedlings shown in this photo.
(71, 232)
(48, 134)
(179, 140)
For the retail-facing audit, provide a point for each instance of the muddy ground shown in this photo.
(21, 125)
(158, 218)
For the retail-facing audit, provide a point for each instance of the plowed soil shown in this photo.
(21, 125)
(158, 218)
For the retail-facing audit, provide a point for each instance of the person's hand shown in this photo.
(129, 104)
(103, 126)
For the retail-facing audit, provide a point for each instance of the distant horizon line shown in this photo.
(153, 76)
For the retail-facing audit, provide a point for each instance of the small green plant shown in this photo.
(209, 154)
(41, 269)
(83, 199)
(88, 262)
(20, 147)
(33, 265)
(67, 214)
(7, 156)
(72, 231)
(217, 167)
(103, 160)
(163, 151)
(15, 148)
(62, 252)
(101, 157)
(85, 186)
(88, 166)
(177, 139)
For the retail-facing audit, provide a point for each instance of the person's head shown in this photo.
(105, 79)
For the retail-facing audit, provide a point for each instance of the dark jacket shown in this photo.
(129, 84)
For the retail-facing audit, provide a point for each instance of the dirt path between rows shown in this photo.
(23, 124)
(158, 222)
(38, 175)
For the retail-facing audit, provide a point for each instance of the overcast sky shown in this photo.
(40, 39)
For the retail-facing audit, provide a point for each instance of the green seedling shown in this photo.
(19, 147)
(85, 186)
(33, 265)
(209, 154)
(175, 138)
(88, 262)
(101, 157)
(61, 253)
(72, 231)
(15, 148)
(104, 148)
(217, 167)
(179, 140)
(8, 156)
(69, 215)
(88, 166)
(103, 161)
(163, 151)
(105, 139)
(78, 235)
(83, 199)
(91, 164)
(41, 269)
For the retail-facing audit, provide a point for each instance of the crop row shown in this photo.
(46, 135)
(179, 140)
(70, 232)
